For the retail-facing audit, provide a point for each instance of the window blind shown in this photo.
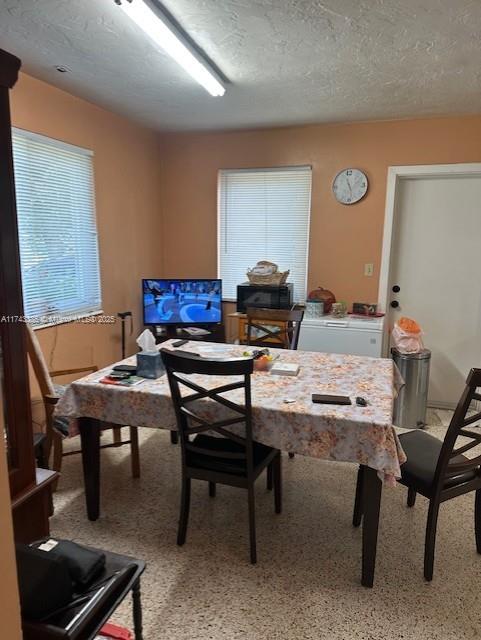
(264, 215)
(57, 228)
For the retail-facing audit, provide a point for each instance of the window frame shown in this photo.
(219, 201)
(63, 317)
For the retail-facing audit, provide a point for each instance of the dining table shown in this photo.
(284, 417)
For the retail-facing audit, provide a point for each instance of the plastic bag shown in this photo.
(407, 336)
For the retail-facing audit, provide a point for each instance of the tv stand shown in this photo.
(169, 332)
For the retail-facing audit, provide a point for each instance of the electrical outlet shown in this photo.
(368, 269)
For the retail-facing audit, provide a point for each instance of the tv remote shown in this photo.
(179, 343)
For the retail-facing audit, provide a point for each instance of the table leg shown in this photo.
(174, 437)
(137, 610)
(371, 501)
(90, 438)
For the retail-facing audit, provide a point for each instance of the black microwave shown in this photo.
(266, 296)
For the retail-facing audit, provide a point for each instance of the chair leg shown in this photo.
(358, 502)
(430, 542)
(252, 523)
(40, 456)
(57, 445)
(212, 490)
(477, 519)
(411, 497)
(291, 455)
(137, 610)
(277, 472)
(184, 511)
(174, 437)
(269, 477)
(117, 435)
(134, 452)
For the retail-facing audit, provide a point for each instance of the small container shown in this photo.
(150, 365)
(339, 309)
(314, 309)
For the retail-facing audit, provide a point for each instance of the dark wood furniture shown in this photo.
(288, 321)
(439, 471)
(216, 334)
(57, 428)
(90, 623)
(231, 459)
(30, 491)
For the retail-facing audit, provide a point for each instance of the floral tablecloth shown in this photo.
(349, 433)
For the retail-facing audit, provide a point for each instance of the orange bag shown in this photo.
(411, 326)
(406, 336)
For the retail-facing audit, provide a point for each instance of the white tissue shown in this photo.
(146, 341)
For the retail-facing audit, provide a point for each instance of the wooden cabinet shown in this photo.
(30, 493)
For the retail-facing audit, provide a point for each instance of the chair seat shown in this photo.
(234, 466)
(422, 452)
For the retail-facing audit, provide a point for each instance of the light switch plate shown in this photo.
(368, 269)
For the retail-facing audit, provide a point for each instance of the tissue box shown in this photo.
(149, 365)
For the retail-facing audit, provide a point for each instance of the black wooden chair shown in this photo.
(438, 470)
(260, 319)
(227, 458)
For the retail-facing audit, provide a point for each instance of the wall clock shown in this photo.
(350, 186)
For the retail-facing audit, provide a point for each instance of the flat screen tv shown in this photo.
(182, 302)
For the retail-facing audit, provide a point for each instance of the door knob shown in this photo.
(394, 304)
(396, 288)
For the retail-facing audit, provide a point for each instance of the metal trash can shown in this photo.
(410, 405)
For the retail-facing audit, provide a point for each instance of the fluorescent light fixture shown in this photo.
(166, 36)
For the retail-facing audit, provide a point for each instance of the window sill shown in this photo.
(82, 318)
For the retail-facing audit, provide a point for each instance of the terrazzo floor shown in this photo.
(306, 583)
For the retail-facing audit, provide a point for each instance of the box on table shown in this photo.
(150, 365)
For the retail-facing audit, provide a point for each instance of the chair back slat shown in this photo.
(449, 464)
(190, 422)
(38, 363)
(259, 319)
(472, 419)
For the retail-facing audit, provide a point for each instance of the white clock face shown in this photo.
(349, 186)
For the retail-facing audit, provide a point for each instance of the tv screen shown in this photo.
(187, 302)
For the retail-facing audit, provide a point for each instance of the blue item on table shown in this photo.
(149, 365)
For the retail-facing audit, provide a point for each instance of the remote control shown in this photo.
(179, 343)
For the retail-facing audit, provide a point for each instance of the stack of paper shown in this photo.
(285, 369)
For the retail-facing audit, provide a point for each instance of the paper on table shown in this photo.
(213, 351)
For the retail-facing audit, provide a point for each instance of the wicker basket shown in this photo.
(274, 279)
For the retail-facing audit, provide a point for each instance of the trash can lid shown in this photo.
(424, 354)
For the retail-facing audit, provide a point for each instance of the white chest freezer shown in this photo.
(351, 335)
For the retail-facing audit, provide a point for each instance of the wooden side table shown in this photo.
(89, 624)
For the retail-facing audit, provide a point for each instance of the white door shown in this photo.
(436, 262)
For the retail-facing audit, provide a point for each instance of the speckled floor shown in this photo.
(306, 583)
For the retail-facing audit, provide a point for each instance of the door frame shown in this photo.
(395, 175)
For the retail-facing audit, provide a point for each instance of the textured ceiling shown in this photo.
(288, 61)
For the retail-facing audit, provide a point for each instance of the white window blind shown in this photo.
(264, 215)
(57, 228)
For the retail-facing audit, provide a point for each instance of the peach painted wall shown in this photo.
(343, 238)
(127, 192)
